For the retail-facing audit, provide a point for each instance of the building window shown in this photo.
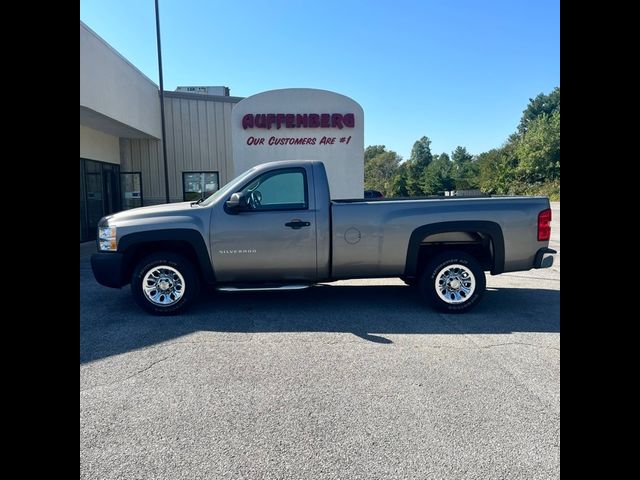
(131, 188)
(197, 185)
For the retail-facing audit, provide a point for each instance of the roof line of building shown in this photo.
(200, 96)
(88, 29)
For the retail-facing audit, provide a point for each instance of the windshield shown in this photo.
(226, 190)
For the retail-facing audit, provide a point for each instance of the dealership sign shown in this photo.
(298, 120)
(302, 124)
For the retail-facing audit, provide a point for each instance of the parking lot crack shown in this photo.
(149, 366)
(135, 374)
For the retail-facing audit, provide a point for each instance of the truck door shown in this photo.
(274, 237)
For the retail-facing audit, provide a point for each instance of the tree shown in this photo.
(497, 170)
(379, 172)
(421, 152)
(437, 176)
(541, 105)
(420, 159)
(400, 180)
(460, 156)
(529, 161)
(464, 170)
(442, 156)
(373, 150)
(539, 150)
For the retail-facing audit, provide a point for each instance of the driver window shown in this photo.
(279, 190)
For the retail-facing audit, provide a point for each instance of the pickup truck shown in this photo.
(275, 227)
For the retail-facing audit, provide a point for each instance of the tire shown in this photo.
(175, 279)
(464, 276)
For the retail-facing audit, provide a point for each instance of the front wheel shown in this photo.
(453, 282)
(164, 283)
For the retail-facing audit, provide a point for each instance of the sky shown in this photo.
(457, 71)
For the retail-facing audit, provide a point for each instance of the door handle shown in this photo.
(297, 224)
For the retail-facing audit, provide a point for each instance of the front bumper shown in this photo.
(108, 268)
(544, 258)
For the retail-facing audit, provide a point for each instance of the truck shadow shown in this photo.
(110, 323)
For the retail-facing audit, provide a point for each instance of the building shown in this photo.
(121, 163)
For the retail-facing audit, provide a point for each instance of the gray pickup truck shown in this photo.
(275, 227)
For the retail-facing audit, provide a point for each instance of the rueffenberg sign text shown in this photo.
(298, 120)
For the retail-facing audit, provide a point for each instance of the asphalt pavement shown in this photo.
(355, 379)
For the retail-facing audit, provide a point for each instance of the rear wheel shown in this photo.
(165, 283)
(453, 282)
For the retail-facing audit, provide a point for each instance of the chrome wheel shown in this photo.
(163, 285)
(455, 284)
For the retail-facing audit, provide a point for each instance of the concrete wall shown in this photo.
(113, 87)
(100, 146)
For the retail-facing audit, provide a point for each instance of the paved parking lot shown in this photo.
(352, 380)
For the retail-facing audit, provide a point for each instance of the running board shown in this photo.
(262, 289)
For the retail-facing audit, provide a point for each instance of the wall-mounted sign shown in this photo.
(302, 124)
(298, 120)
(297, 140)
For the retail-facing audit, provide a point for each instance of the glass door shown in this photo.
(111, 188)
(94, 192)
(101, 188)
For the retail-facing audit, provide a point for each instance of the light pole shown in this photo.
(164, 142)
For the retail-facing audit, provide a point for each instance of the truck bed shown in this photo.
(370, 237)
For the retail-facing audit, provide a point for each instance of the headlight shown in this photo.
(107, 239)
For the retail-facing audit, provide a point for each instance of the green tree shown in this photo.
(443, 155)
(373, 150)
(529, 161)
(464, 170)
(497, 170)
(538, 151)
(437, 176)
(460, 156)
(420, 159)
(380, 171)
(541, 105)
(400, 180)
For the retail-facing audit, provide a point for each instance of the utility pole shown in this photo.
(164, 136)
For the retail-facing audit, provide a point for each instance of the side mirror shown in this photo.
(237, 202)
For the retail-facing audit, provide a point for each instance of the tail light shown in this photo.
(544, 224)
